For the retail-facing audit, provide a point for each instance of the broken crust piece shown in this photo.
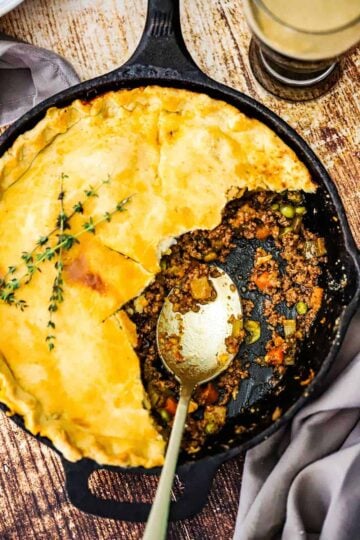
(101, 415)
(179, 156)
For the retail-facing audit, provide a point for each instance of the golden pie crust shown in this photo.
(181, 156)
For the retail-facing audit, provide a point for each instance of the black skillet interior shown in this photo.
(161, 58)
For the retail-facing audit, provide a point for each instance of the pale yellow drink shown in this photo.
(306, 29)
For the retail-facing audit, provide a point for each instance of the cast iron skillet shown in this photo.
(162, 59)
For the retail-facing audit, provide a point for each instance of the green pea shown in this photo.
(300, 210)
(164, 415)
(154, 397)
(210, 428)
(287, 211)
(275, 206)
(254, 331)
(301, 308)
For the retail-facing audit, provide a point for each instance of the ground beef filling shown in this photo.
(290, 278)
(194, 289)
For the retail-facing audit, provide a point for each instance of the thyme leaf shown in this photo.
(89, 226)
(42, 241)
(62, 221)
(91, 192)
(79, 207)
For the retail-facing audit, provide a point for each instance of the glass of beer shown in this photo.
(296, 44)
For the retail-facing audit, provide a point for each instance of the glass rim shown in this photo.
(302, 30)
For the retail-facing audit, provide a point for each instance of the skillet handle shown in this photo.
(162, 44)
(196, 478)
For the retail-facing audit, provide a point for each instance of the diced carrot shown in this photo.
(209, 394)
(279, 341)
(262, 233)
(170, 405)
(316, 298)
(275, 356)
(265, 281)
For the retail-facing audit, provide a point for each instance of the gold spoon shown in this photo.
(192, 346)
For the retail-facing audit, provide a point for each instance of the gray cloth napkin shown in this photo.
(29, 75)
(303, 483)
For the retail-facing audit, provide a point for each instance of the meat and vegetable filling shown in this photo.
(284, 274)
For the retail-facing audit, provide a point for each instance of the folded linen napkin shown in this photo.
(303, 483)
(28, 75)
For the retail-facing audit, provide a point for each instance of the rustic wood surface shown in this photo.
(96, 36)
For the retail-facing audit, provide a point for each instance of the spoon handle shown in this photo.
(156, 526)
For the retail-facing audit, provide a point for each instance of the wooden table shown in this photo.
(96, 36)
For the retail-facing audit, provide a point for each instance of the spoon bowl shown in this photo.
(194, 345)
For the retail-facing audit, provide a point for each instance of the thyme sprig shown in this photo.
(57, 291)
